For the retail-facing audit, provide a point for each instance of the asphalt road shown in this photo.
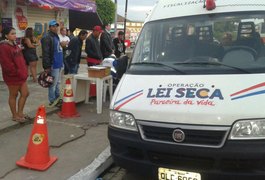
(117, 173)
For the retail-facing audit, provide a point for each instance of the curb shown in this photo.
(99, 165)
(15, 125)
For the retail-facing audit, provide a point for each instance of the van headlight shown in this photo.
(248, 129)
(122, 120)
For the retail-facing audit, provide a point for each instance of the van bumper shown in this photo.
(237, 160)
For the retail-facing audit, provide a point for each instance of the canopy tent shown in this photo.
(83, 20)
(78, 5)
(82, 13)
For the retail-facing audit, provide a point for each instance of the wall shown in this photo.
(37, 18)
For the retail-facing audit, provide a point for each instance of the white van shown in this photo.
(191, 105)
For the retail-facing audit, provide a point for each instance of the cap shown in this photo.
(53, 23)
(97, 28)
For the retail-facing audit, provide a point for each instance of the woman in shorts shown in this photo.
(30, 43)
(15, 73)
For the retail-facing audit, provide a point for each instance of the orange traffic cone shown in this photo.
(68, 107)
(38, 156)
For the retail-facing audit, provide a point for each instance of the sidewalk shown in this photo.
(77, 142)
(38, 96)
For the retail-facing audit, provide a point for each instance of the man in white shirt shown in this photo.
(64, 41)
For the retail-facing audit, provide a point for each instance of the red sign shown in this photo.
(22, 21)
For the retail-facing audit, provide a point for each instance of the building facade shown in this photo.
(22, 14)
(133, 28)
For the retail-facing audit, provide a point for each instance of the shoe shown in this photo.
(52, 104)
(59, 103)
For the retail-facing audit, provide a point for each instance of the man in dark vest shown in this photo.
(94, 55)
(106, 44)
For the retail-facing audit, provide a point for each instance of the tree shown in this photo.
(106, 10)
(225, 26)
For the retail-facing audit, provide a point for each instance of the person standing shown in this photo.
(119, 45)
(64, 41)
(74, 49)
(70, 34)
(15, 73)
(52, 61)
(94, 55)
(106, 43)
(30, 43)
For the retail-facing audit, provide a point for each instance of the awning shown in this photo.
(78, 5)
(83, 20)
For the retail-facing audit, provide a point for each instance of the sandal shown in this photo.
(20, 120)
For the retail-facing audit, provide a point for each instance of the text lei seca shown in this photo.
(184, 94)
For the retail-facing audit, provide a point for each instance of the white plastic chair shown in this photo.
(105, 87)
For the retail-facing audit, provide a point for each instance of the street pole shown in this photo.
(125, 18)
(116, 18)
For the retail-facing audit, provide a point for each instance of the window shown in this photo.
(216, 44)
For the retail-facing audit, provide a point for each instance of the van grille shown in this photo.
(210, 136)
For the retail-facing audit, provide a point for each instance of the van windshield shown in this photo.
(229, 43)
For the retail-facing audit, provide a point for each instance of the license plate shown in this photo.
(173, 174)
